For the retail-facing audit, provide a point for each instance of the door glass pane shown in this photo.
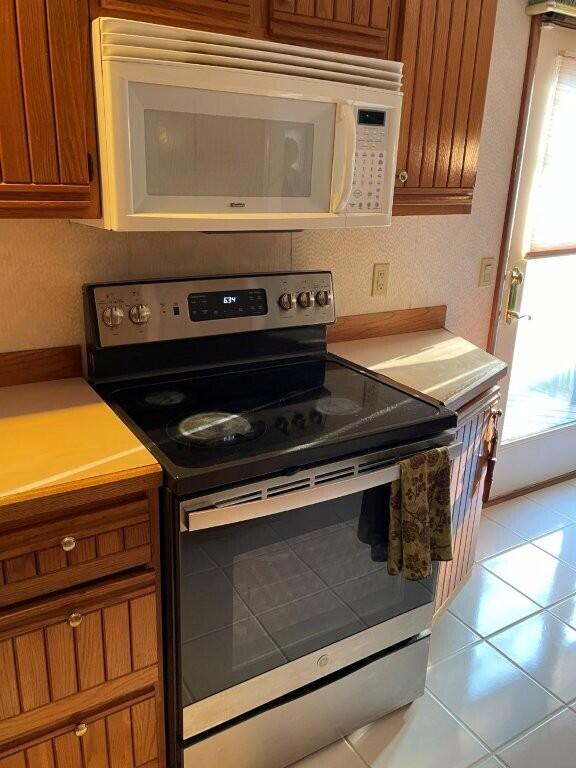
(214, 155)
(257, 595)
(543, 381)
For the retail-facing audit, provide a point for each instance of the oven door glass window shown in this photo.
(257, 595)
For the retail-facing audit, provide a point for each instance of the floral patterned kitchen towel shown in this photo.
(420, 515)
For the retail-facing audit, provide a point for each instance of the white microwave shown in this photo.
(200, 131)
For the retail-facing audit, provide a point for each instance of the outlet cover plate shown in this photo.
(380, 278)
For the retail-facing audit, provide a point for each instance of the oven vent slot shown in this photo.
(295, 485)
(336, 474)
(243, 498)
(371, 466)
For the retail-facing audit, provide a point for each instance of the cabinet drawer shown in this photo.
(75, 653)
(124, 737)
(74, 548)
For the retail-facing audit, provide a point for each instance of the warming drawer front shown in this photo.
(318, 718)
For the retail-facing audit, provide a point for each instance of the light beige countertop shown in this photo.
(436, 363)
(58, 432)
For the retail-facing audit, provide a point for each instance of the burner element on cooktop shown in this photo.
(217, 429)
(337, 406)
(165, 397)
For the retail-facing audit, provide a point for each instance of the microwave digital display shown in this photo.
(371, 117)
(220, 305)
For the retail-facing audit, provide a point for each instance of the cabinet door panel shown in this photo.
(125, 737)
(466, 495)
(37, 89)
(53, 652)
(228, 16)
(357, 26)
(46, 114)
(105, 540)
(445, 46)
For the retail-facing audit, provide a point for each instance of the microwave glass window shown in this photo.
(205, 155)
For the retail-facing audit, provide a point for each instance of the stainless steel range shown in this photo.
(283, 629)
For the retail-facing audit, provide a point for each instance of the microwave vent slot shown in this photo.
(335, 474)
(295, 485)
(125, 40)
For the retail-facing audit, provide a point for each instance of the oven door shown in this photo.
(279, 592)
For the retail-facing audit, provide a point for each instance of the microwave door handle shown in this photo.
(215, 516)
(346, 156)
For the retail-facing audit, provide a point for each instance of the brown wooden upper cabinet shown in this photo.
(355, 26)
(46, 115)
(232, 17)
(445, 46)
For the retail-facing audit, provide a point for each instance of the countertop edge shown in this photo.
(100, 488)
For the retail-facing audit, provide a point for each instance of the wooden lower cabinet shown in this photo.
(80, 636)
(466, 491)
(74, 547)
(123, 737)
(61, 655)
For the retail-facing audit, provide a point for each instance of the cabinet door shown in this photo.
(445, 46)
(356, 26)
(46, 112)
(229, 16)
(124, 737)
(466, 494)
(75, 652)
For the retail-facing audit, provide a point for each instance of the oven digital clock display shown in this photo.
(221, 305)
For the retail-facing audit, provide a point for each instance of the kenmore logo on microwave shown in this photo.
(237, 205)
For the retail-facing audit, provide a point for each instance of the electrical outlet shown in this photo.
(486, 271)
(380, 277)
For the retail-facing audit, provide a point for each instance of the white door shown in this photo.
(537, 325)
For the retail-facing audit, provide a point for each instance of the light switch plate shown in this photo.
(380, 278)
(486, 271)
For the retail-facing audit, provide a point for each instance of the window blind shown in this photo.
(553, 204)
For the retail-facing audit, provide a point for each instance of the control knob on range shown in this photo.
(112, 316)
(323, 298)
(286, 301)
(305, 299)
(140, 314)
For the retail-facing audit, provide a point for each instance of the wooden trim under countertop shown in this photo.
(33, 365)
(374, 324)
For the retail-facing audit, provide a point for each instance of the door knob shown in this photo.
(402, 176)
(511, 315)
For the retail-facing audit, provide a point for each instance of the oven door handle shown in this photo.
(215, 516)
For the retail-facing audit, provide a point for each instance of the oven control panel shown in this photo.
(164, 310)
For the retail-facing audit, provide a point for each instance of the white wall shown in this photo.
(434, 259)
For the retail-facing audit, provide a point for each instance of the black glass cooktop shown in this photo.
(228, 427)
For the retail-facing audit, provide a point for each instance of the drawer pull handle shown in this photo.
(68, 543)
(81, 729)
(75, 619)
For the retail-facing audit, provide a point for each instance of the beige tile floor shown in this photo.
(501, 686)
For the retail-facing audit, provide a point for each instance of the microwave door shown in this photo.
(195, 151)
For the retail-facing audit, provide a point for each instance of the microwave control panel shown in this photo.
(370, 161)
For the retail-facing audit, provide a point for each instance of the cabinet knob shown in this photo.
(402, 176)
(68, 543)
(81, 729)
(75, 619)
